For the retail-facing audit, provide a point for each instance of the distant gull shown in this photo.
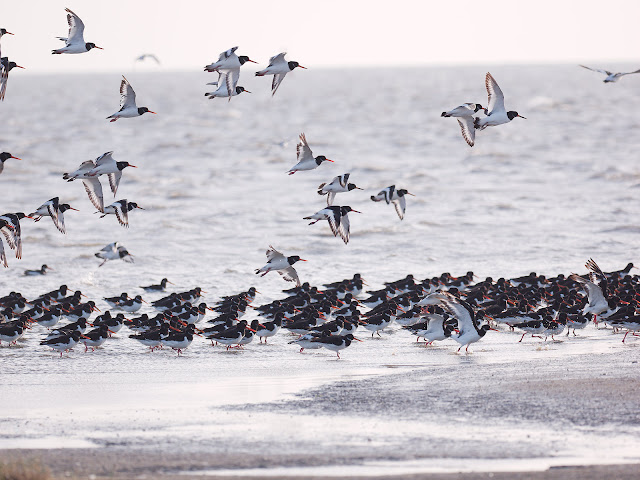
(395, 196)
(150, 56)
(128, 108)
(338, 185)
(114, 251)
(306, 160)
(278, 67)
(611, 77)
(4, 156)
(276, 261)
(74, 42)
(54, 209)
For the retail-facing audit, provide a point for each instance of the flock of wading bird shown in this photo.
(434, 309)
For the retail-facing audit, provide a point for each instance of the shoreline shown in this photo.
(117, 464)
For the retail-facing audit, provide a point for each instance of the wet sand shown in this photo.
(552, 418)
(119, 465)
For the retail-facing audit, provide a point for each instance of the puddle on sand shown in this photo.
(430, 465)
(46, 443)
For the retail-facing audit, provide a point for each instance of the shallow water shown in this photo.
(541, 194)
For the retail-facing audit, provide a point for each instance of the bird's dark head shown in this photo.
(4, 156)
(122, 165)
(322, 158)
(122, 252)
(12, 65)
(352, 186)
(90, 45)
(239, 90)
(295, 258)
(511, 114)
(293, 65)
(3, 31)
(133, 205)
(346, 209)
(244, 59)
(402, 192)
(65, 206)
(21, 215)
(142, 110)
(479, 107)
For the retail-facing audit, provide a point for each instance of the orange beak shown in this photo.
(303, 260)
(149, 111)
(329, 160)
(15, 157)
(71, 208)
(302, 67)
(100, 48)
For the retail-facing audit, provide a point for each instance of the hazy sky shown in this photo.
(191, 33)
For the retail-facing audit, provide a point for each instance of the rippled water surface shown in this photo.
(542, 194)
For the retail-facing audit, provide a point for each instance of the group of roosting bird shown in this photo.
(433, 309)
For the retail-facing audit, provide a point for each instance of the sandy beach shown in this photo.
(544, 415)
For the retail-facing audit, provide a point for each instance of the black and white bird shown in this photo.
(128, 107)
(338, 218)
(92, 185)
(74, 42)
(276, 261)
(306, 160)
(41, 271)
(278, 67)
(63, 343)
(54, 209)
(114, 251)
(157, 288)
(10, 228)
(228, 69)
(392, 195)
(611, 77)
(596, 288)
(223, 92)
(89, 172)
(464, 110)
(121, 210)
(4, 156)
(335, 343)
(339, 184)
(469, 329)
(498, 114)
(5, 67)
